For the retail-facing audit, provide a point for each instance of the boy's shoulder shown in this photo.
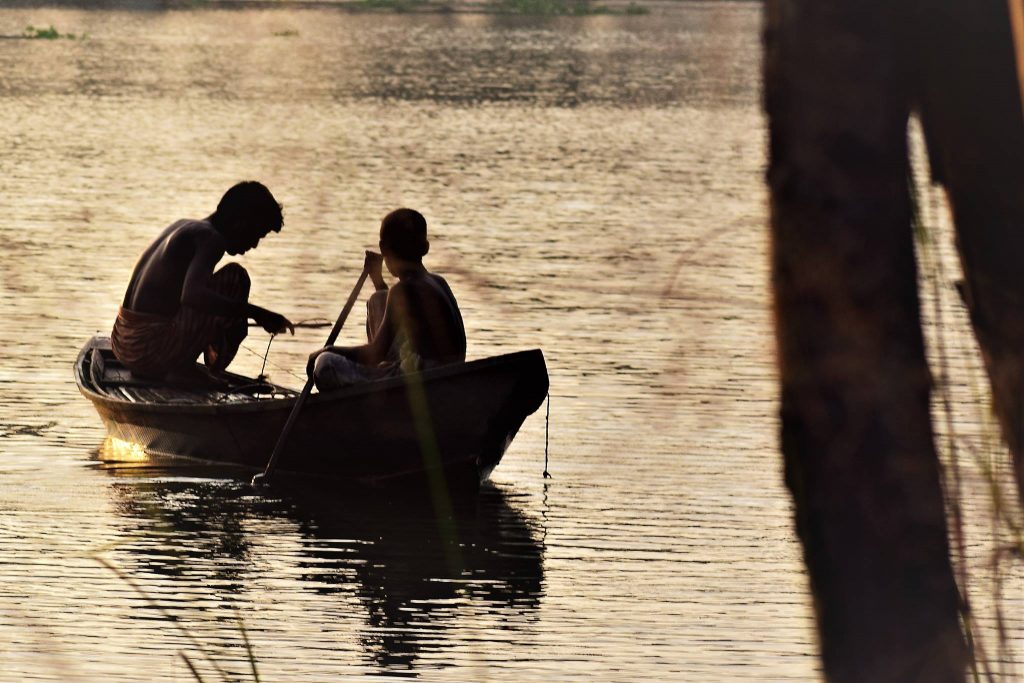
(422, 282)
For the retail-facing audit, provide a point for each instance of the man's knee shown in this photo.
(232, 280)
(236, 332)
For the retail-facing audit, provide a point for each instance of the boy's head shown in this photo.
(403, 233)
(246, 214)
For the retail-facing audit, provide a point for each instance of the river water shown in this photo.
(593, 187)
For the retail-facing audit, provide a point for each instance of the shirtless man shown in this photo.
(177, 307)
(413, 326)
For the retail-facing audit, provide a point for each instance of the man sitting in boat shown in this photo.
(177, 307)
(412, 326)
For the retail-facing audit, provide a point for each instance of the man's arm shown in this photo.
(195, 293)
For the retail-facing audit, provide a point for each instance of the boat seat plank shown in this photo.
(105, 369)
(96, 366)
(124, 377)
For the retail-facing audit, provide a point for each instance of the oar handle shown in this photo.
(336, 330)
(264, 477)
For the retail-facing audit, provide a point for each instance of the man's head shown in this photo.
(246, 214)
(403, 234)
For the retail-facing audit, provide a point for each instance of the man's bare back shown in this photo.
(175, 270)
(158, 284)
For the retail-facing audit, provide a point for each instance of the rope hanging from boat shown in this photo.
(547, 424)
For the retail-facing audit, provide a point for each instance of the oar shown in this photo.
(264, 477)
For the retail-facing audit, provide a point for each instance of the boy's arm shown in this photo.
(374, 264)
(377, 350)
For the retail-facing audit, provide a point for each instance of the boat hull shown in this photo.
(459, 419)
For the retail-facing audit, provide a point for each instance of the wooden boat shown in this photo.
(457, 419)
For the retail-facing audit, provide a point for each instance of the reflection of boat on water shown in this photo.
(416, 574)
(459, 418)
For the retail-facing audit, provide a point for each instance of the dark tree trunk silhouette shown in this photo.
(971, 112)
(857, 439)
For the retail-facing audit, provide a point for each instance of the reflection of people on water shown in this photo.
(413, 326)
(414, 572)
(177, 307)
(413, 576)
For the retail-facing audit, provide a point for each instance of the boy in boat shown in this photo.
(412, 326)
(177, 307)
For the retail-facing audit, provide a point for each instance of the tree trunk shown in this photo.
(971, 111)
(857, 440)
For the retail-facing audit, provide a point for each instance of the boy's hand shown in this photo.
(374, 266)
(275, 323)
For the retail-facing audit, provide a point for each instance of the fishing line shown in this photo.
(265, 354)
(274, 365)
(547, 424)
(311, 323)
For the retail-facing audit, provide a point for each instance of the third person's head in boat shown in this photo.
(403, 240)
(246, 214)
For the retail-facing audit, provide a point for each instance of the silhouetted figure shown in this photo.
(177, 307)
(413, 326)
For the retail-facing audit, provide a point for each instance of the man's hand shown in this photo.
(275, 323)
(374, 266)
